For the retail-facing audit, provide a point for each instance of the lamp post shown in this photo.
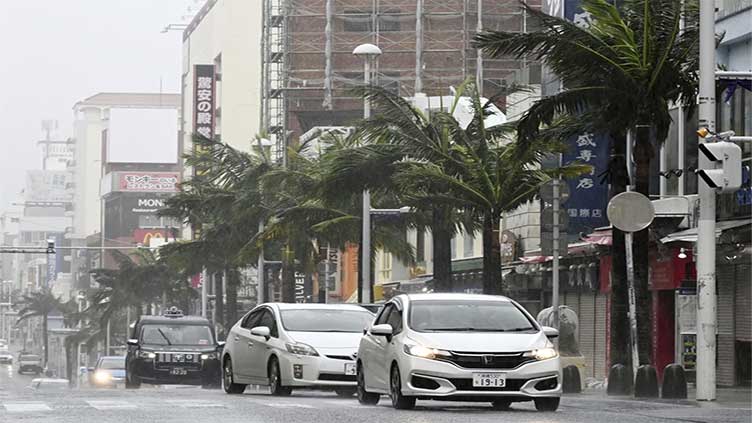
(368, 52)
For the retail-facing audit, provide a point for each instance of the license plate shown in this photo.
(178, 372)
(350, 369)
(489, 380)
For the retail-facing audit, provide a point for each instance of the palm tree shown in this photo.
(621, 73)
(40, 304)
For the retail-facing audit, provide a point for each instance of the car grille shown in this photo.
(169, 360)
(488, 360)
(337, 377)
(467, 385)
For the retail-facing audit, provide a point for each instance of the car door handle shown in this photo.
(250, 344)
(237, 338)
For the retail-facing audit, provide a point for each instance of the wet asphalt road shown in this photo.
(191, 404)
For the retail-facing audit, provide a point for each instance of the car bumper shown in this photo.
(6, 361)
(208, 373)
(316, 372)
(531, 380)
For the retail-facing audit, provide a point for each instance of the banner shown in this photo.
(588, 197)
(203, 101)
(148, 181)
(48, 186)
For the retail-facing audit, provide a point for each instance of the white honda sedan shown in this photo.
(290, 346)
(458, 347)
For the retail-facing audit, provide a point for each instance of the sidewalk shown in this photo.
(736, 397)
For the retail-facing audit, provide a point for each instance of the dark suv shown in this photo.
(173, 349)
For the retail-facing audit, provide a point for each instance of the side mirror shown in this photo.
(133, 342)
(89, 369)
(261, 331)
(220, 344)
(550, 332)
(382, 330)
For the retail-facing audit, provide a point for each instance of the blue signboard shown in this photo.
(588, 197)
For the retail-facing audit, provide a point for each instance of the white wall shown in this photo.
(232, 28)
(88, 128)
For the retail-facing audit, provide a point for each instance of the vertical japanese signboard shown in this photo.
(204, 93)
(588, 197)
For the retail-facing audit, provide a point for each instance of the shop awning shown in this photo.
(600, 238)
(690, 235)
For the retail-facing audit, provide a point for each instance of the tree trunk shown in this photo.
(46, 340)
(643, 155)
(219, 299)
(233, 283)
(288, 276)
(441, 236)
(492, 254)
(619, 328)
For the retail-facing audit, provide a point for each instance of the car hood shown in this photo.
(480, 341)
(329, 342)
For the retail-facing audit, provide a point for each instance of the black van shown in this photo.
(173, 349)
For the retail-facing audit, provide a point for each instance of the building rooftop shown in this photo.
(132, 100)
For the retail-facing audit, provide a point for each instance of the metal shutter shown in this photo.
(725, 281)
(743, 306)
(599, 357)
(587, 331)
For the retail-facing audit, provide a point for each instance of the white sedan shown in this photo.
(458, 347)
(290, 346)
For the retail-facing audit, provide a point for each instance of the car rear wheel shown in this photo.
(501, 404)
(365, 397)
(547, 404)
(275, 380)
(228, 380)
(399, 401)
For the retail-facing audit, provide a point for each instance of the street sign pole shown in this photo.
(555, 274)
(632, 303)
(706, 283)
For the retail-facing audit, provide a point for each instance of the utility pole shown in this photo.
(706, 283)
(555, 288)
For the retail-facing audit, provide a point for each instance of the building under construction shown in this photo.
(308, 63)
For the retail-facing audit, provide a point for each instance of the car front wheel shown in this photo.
(365, 397)
(132, 381)
(399, 401)
(228, 381)
(275, 380)
(547, 404)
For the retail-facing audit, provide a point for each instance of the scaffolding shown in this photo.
(308, 64)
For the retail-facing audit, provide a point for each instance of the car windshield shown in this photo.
(112, 363)
(176, 335)
(29, 357)
(468, 316)
(326, 320)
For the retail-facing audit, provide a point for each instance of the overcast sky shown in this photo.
(56, 52)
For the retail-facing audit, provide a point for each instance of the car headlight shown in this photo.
(147, 354)
(209, 356)
(102, 377)
(542, 353)
(301, 349)
(425, 352)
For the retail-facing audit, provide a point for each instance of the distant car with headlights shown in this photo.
(109, 372)
(173, 349)
(458, 347)
(6, 357)
(290, 346)
(29, 363)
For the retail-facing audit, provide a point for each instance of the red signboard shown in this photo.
(148, 181)
(143, 236)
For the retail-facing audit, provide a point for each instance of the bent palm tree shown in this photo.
(40, 304)
(623, 72)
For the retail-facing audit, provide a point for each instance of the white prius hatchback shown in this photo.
(290, 346)
(460, 347)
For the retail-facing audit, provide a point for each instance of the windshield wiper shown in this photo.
(164, 336)
(517, 329)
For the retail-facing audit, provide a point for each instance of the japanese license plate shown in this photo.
(489, 380)
(178, 372)
(350, 369)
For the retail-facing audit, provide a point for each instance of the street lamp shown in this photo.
(368, 52)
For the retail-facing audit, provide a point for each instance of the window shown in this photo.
(357, 21)
(162, 334)
(386, 266)
(420, 246)
(395, 320)
(465, 316)
(325, 320)
(268, 320)
(251, 320)
(384, 315)
(469, 247)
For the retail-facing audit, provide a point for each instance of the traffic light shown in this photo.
(50, 246)
(724, 172)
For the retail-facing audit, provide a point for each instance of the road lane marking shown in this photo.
(287, 405)
(196, 404)
(111, 405)
(25, 407)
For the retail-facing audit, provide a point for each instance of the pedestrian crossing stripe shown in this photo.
(287, 405)
(25, 407)
(195, 404)
(110, 404)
